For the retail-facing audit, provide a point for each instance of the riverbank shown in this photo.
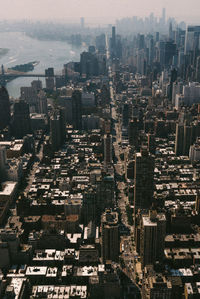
(23, 49)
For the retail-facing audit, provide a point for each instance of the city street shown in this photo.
(127, 241)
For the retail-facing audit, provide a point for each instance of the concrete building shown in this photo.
(4, 108)
(107, 149)
(37, 85)
(90, 122)
(42, 103)
(143, 180)
(3, 162)
(21, 124)
(156, 285)
(77, 109)
(110, 236)
(29, 95)
(7, 195)
(190, 95)
(192, 34)
(194, 153)
(88, 99)
(183, 139)
(152, 237)
(133, 132)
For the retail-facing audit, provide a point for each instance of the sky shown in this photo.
(101, 10)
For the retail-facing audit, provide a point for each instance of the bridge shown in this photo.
(7, 76)
(17, 75)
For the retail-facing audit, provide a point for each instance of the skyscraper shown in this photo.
(133, 132)
(4, 108)
(143, 180)
(170, 31)
(197, 75)
(125, 114)
(110, 236)
(89, 64)
(50, 80)
(3, 161)
(163, 15)
(55, 131)
(113, 43)
(77, 109)
(183, 139)
(57, 128)
(107, 149)
(113, 37)
(82, 23)
(37, 85)
(151, 143)
(21, 124)
(151, 239)
(192, 34)
(42, 102)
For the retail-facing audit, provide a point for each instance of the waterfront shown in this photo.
(23, 49)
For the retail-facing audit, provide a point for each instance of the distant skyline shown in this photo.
(105, 11)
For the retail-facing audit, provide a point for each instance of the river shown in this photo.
(23, 49)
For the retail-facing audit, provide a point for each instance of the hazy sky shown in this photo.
(188, 10)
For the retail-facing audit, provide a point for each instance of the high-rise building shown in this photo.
(55, 132)
(29, 95)
(192, 34)
(82, 23)
(152, 233)
(169, 52)
(107, 149)
(143, 180)
(113, 36)
(50, 80)
(156, 285)
(4, 108)
(133, 132)
(50, 83)
(3, 162)
(176, 89)
(88, 64)
(151, 143)
(170, 31)
(57, 128)
(42, 103)
(187, 139)
(101, 43)
(151, 51)
(105, 192)
(37, 85)
(163, 15)
(125, 114)
(49, 72)
(110, 236)
(77, 109)
(194, 153)
(161, 52)
(173, 78)
(21, 123)
(179, 139)
(189, 96)
(183, 139)
(113, 42)
(62, 124)
(198, 69)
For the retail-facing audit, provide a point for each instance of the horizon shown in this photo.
(92, 21)
(99, 12)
